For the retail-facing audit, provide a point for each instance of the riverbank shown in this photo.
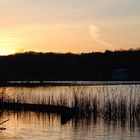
(66, 83)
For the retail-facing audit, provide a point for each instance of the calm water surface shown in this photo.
(39, 126)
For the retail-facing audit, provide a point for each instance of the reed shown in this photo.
(108, 105)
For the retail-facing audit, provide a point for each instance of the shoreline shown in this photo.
(66, 83)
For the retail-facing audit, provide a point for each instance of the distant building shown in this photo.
(120, 74)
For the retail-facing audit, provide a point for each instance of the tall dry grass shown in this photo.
(104, 102)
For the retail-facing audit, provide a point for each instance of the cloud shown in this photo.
(94, 32)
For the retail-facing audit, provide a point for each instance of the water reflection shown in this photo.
(26, 125)
(42, 126)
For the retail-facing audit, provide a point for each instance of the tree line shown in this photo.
(95, 66)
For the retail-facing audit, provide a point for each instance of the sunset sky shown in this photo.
(68, 25)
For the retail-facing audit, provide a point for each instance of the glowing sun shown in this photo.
(7, 46)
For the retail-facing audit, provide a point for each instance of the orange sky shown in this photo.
(68, 26)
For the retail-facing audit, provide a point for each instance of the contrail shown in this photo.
(94, 32)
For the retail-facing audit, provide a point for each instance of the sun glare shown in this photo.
(7, 46)
(7, 52)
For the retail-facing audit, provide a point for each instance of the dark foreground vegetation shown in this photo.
(31, 66)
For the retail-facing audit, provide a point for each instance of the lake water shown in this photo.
(42, 126)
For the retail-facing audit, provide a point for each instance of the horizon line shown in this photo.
(51, 52)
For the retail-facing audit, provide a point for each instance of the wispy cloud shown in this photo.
(94, 32)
